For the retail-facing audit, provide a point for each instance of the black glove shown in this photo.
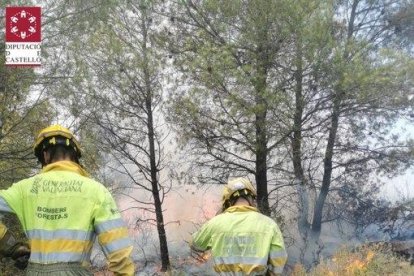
(20, 253)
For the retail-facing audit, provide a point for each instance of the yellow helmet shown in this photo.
(238, 187)
(53, 135)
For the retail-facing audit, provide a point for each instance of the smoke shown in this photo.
(185, 209)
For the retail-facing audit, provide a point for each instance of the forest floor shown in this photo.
(363, 262)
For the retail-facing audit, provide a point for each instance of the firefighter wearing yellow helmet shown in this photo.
(242, 240)
(61, 211)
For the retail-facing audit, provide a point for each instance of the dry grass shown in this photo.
(366, 261)
(369, 260)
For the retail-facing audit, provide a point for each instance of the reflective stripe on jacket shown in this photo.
(242, 242)
(62, 211)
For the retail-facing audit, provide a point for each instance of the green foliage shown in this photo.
(115, 93)
(237, 74)
(22, 115)
(223, 58)
(322, 68)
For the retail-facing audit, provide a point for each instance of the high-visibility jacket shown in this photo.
(62, 211)
(242, 242)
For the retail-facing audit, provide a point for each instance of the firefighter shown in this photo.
(242, 240)
(62, 210)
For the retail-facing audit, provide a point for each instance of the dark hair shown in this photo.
(232, 200)
(62, 152)
(58, 148)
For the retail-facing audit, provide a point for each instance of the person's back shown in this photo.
(242, 241)
(61, 211)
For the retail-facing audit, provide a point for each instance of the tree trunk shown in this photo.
(165, 261)
(261, 132)
(326, 180)
(300, 181)
(155, 192)
(261, 171)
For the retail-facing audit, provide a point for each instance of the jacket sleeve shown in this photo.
(201, 240)
(113, 236)
(10, 199)
(277, 254)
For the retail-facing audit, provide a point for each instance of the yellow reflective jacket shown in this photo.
(62, 211)
(242, 242)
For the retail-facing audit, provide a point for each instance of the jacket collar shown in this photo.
(65, 166)
(241, 208)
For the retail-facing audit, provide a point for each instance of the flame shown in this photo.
(355, 265)
(370, 255)
(200, 257)
(358, 264)
(206, 256)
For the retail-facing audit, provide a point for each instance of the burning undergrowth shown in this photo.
(370, 259)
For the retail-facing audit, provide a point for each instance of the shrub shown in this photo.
(364, 261)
